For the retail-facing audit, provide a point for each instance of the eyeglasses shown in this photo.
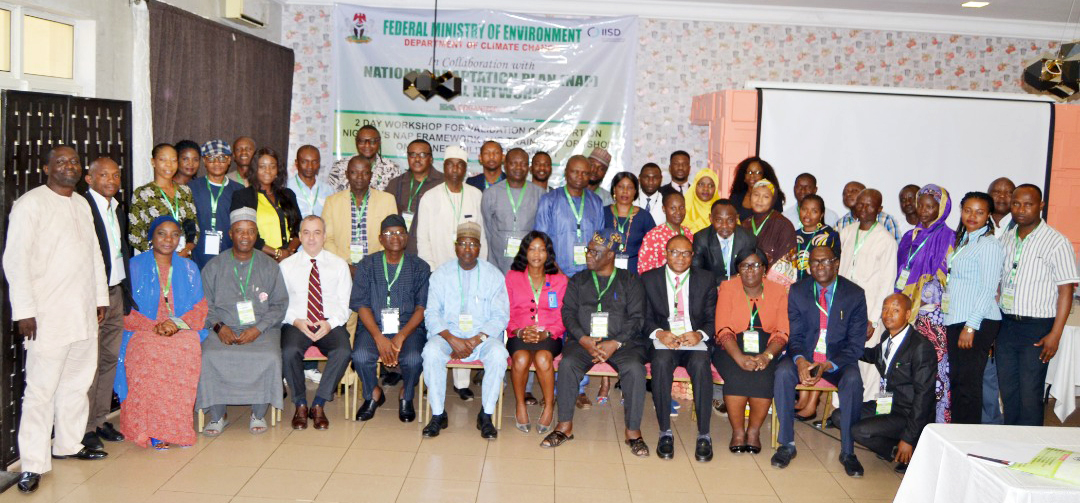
(595, 253)
(754, 266)
(419, 155)
(822, 262)
(394, 234)
(680, 253)
(217, 158)
(468, 244)
(368, 141)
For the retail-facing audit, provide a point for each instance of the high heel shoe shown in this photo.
(522, 427)
(542, 429)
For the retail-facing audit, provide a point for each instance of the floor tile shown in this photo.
(720, 480)
(665, 497)
(294, 484)
(794, 484)
(112, 494)
(457, 443)
(387, 439)
(210, 479)
(184, 497)
(519, 471)
(663, 478)
(446, 467)
(518, 493)
(236, 453)
(48, 491)
(730, 498)
(372, 462)
(349, 488)
(437, 491)
(590, 495)
(305, 457)
(595, 475)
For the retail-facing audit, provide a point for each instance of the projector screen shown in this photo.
(887, 141)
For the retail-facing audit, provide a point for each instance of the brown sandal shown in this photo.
(638, 447)
(555, 439)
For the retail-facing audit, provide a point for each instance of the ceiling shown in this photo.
(1025, 10)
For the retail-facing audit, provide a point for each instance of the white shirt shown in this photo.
(336, 286)
(682, 188)
(683, 298)
(726, 245)
(1046, 261)
(107, 210)
(999, 228)
(309, 199)
(894, 346)
(654, 203)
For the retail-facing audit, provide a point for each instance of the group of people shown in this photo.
(209, 290)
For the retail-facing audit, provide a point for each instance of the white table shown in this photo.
(1063, 373)
(941, 470)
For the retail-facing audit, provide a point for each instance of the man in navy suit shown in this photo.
(828, 330)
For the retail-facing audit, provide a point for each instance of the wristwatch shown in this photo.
(483, 337)
(769, 356)
(217, 327)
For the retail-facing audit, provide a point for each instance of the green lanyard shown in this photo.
(1019, 243)
(754, 311)
(457, 208)
(243, 284)
(363, 207)
(676, 230)
(677, 285)
(758, 228)
(859, 242)
(600, 293)
(173, 204)
(911, 256)
(461, 285)
(214, 201)
(952, 256)
(414, 192)
(311, 200)
(514, 205)
(579, 211)
(165, 287)
(386, 274)
(828, 302)
(536, 294)
(625, 227)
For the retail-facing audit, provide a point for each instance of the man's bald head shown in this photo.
(895, 312)
(104, 177)
(873, 194)
(851, 192)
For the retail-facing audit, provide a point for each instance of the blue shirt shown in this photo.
(483, 289)
(555, 218)
(410, 289)
(204, 213)
(310, 200)
(974, 274)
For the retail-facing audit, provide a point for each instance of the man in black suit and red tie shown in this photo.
(680, 309)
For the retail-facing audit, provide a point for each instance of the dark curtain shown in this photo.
(209, 81)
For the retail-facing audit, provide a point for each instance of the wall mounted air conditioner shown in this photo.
(248, 12)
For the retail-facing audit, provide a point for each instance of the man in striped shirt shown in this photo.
(1037, 282)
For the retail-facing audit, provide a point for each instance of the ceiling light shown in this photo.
(974, 5)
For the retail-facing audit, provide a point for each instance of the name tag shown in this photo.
(945, 302)
(622, 261)
(408, 216)
(1008, 297)
(553, 300)
(579, 254)
(750, 341)
(901, 281)
(679, 326)
(598, 325)
(246, 312)
(391, 321)
(512, 247)
(181, 324)
(356, 253)
(821, 344)
(212, 242)
(884, 404)
(465, 323)
(182, 243)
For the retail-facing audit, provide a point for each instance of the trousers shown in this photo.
(697, 364)
(365, 357)
(849, 389)
(55, 401)
(491, 353)
(1021, 376)
(334, 346)
(628, 361)
(880, 433)
(110, 333)
(966, 367)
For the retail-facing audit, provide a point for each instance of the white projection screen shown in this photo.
(887, 141)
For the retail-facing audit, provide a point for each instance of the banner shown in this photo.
(557, 85)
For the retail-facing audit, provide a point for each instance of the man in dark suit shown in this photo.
(110, 224)
(680, 309)
(717, 245)
(905, 398)
(679, 169)
(828, 329)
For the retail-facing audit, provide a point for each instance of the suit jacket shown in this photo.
(668, 188)
(249, 198)
(337, 213)
(103, 242)
(702, 301)
(709, 256)
(910, 378)
(847, 322)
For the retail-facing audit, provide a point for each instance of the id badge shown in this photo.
(553, 300)
(211, 243)
(356, 253)
(182, 243)
(408, 216)
(1008, 296)
(901, 281)
(246, 312)
(465, 323)
(884, 404)
(512, 247)
(679, 326)
(750, 340)
(579, 254)
(391, 320)
(821, 344)
(181, 324)
(622, 261)
(945, 302)
(598, 325)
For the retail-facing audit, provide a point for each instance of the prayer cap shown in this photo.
(469, 230)
(241, 214)
(456, 152)
(601, 155)
(393, 220)
(607, 238)
(214, 148)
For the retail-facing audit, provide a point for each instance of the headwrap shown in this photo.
(607, 238)
(214, 148)
(469, 230)
(602, 156)
(157, 222)
(392, 220)
(698, 211)
(765, 183)
(923, 251)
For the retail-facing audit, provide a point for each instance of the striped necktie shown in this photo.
(314, 297)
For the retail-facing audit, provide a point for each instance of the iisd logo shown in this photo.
(605, 33)
(358, 28)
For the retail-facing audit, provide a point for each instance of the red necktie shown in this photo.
(823, 313)
(314, 297)
(680, 308)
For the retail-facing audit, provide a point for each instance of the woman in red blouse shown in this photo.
(536, 289)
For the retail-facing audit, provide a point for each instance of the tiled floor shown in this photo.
(386, 460)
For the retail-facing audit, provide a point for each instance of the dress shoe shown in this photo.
(720, 407)
(391, 378)
(84, 454)
(583, 402)
(318, 418)
(299, 419)
(405, 412)
(110, 434)
(466, 394)
(437, 424)
(478, 377)
(484, 424)
(852, 466)
(28, 482)
(93, 441)
(367, 409)
(703, 451)
(901, 468)
(783, 456)
(665, 447)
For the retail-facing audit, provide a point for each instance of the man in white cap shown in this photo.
(441, 211)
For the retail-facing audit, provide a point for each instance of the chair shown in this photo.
(681, 375)
(275, 416)
(425, 410)
(349, 380)
(827, 391)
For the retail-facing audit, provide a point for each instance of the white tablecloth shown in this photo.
(941, 471)
(1063, 373)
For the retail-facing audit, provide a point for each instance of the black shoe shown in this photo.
(109, 434)
(92, 441)
(465, 393)
(783, 456)
(487, 429)
(85, 454)
(901, 468)
(406, 413)
(391, 378)
(703, 452)
(436, 424)
(852, 466)
(478, 377)
(28, 482)
(367, 409)
(665, 447)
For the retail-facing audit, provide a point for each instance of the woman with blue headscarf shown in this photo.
(160, 355)
(921, 274)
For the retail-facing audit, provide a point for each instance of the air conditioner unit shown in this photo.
(249, 12)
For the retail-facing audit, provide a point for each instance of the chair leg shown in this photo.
(423, 402)
(202, 419)
(775, 425)
(499, 406)
(828, 405)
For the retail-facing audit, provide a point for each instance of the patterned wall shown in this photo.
(680, 59)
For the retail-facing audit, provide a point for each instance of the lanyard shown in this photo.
(625, 227)
(1019, 243)
(536, 294)
(173, 204)
(860, 242)
(461, 286)
(214, 201)
(758, 228)
(753, 308)
(578, 210)
(828, 302)
(413, 192)
(600, 293)
(363, 207)
(514, 205)
(165, 287)
(457, 208)
(952, 256)
(310, 200)
(677, 285)
(677, 230)
(911, 256)
(243, 284)
(809, 241)
(386, 274)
